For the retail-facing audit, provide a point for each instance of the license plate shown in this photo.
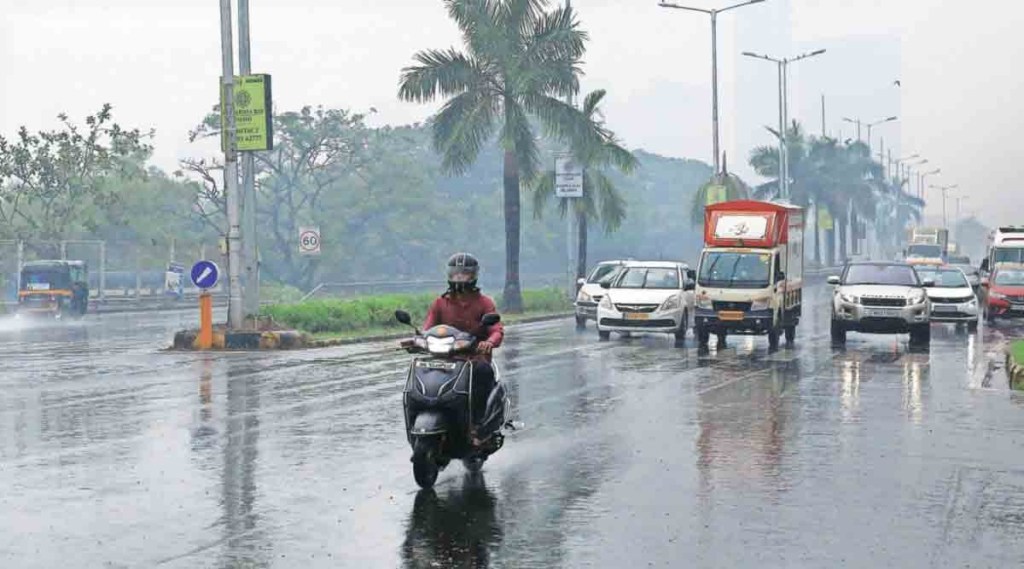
(944, 308)
(730, 316)
(433, 364)
(637, 316)
(882, 313)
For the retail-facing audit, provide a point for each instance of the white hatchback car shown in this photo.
(653, 296)
(952, 297)
(590, 291)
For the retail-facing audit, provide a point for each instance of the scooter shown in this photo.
(438, 402)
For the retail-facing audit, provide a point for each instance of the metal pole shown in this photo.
(823, 115)
(63, 250)
(782, 136)
(945, 222)
(251, 288)
(785, 124)
(869, 136)
(21, 261)
(231, 168)
(569, 213)
(103, 271)
(714, 87)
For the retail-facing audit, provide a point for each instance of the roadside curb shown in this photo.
(252, 341)
(1014, 369)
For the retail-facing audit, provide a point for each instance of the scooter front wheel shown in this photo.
(424, 466)
(474, 464)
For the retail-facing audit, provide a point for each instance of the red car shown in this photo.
(1004, 293)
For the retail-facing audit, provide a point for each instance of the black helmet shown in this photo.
(463, 270)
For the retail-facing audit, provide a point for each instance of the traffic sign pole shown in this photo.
(205, 339)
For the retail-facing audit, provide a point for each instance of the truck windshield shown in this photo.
(45, 279)
(920, 250)
(1008, 255)
(902, 275)
(735, 270)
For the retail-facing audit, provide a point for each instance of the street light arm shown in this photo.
(850, 120)
(690, 8)
(740, 5)
(806, 55)
(760, 56)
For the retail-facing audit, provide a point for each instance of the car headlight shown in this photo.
(606, 302)
(671, 303)
(851, 298)
(704, 302)
(584, 297)
(917, 297)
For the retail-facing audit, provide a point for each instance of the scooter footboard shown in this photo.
(494, 417)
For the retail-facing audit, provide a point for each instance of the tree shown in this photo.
(520, 61)
(601, 202)
(711, 192)
(56, 180)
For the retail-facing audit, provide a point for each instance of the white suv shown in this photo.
(652, 296)
(590, 291)
(881, 298)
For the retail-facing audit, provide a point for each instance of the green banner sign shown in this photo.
(716, 194)
(254, 119)
(825, 219)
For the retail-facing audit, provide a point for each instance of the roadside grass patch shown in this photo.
(1017, 351)
(375, 315)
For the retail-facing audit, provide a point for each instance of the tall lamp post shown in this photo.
(944, 190)
(923, 178)
(869, 125)
(783, 65)
(714, 64)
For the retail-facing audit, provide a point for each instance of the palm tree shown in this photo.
(520, 62)
(712, 191)
(601, 200)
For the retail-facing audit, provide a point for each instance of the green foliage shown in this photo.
(1017, 351)
(378, 312)
(735, 189)
(278, 293)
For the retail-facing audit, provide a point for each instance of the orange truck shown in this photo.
(750, 276)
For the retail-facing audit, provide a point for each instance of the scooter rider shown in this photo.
(463, 306)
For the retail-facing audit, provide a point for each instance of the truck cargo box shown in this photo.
(748, 223)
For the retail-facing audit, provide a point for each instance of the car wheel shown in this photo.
(703, 335)
(581, 322)
(921, 335)
(773, 339)
(972, 326)
(604, 335)
(790, 334)
(990, 317)
(838, 332)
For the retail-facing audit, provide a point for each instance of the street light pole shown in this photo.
(251, 288)
(231, 167)
(944, 190)
(783, 65)
(869, 125)
(714, 66)
(923, 178)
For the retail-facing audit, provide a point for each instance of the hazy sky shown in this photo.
(157, 62)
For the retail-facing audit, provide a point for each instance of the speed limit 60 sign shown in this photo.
(309, 240)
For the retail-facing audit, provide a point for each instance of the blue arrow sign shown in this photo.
(205, 274)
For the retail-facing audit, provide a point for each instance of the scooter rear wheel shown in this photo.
(474, 464)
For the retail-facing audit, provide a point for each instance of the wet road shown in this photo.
(634, 453)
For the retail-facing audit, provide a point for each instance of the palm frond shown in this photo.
(555, 36)
(591, 103)
(610, 204)
(461, 128)
(440, 72)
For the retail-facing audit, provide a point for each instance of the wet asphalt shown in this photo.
(633, 453)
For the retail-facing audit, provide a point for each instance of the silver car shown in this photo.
(881, 298)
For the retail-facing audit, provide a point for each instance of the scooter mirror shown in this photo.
(403, 317)
(490, 319)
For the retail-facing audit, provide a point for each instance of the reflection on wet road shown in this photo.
(634, 452)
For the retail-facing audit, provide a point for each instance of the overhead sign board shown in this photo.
(568, 177)
(742, 227)
(174, 280)
(205, 274)
(309, 240)
(254, 117)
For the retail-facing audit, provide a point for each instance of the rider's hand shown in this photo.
(484, 347)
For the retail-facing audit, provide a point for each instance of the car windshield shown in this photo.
(740, 270)
(603, 273)
(1010, 278)
(945, 278)
(649, 277)
(920, 250)
(959, 260)
(45, 279)
(902, 275)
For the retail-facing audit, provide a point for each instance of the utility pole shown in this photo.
(250, 248)
(231, 167)
(823, 134)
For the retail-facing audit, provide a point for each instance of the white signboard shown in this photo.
(741, 227)
(568, 178)
(309, 240)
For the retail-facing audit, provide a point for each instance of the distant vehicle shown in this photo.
(952, 297)
(647, 296)
(56, 289)
(1003, 292)
(590, 291)
(1005, 245)
(880, 298)
(963, 262)
(751, 271)
(927, 246)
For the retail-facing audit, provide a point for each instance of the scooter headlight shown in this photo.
(440, 345)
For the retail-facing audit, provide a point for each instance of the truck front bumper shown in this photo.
(753, 322)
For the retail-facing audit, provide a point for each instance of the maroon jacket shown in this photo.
(464, 311)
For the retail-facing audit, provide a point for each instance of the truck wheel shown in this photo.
(838, 333)
(581, 322)
(790, 334)
(773, 339)
(721, 339)
(703, 336)
(604, 335)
